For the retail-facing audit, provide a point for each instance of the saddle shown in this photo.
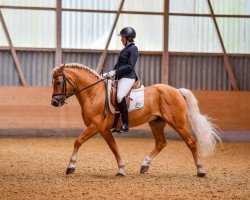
(113, 93)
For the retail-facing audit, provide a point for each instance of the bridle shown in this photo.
(64, 87)
(73, 92)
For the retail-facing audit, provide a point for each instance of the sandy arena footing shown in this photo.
(34, 168)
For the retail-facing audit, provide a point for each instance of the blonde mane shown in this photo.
(75, 65)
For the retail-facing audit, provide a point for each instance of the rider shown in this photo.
(124, 72)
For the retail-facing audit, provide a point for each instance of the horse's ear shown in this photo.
(64, 65)
(61, 68)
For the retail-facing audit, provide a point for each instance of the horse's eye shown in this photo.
(58, 82)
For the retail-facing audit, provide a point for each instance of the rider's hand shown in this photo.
(109, 74)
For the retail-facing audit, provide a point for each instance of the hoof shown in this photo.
(201, 174)
(119, 174)
(117, 130)
(144, 169)
(70, 171)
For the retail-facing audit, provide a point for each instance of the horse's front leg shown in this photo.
(112, 145)
(84, 136)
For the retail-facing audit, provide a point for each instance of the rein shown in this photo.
(91, 85)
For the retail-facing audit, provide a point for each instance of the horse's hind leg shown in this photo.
(181, 127)
(88, 133)
(157, 127)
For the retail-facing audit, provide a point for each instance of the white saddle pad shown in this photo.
(136, 96)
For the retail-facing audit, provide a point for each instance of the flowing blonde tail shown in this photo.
(206, 132)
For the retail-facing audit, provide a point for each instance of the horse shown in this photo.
(163, 105)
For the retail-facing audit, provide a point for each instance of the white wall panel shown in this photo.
(91, 30)
(144, 5)
(37, 3)
(138, 5)
(236, 34)
(85, 30)
(199, 35)
(3, 39)
(149, 31)
(189, 6)
(91, 4)
(31, 28)
(193, 34)
(35, 28)
(236, 7)
(232, 7)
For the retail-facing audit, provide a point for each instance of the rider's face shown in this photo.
(124, 40)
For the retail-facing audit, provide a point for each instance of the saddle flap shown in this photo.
(113, 93)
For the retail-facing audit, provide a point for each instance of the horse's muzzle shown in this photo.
(58, 101)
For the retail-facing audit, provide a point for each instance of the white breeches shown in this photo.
(124, 85)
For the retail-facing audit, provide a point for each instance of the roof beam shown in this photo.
(58, 53)
(165, 53)
(13, 52)
(225, 56)
(100, 67)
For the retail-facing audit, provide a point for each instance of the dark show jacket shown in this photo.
(125, 67)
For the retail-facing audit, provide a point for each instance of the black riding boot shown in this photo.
(124, 113)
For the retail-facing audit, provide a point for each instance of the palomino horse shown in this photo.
(163, 105)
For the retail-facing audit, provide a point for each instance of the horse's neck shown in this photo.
(84, 80)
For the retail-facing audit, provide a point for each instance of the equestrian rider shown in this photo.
(124, 72)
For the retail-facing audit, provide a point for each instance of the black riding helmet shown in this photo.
(128, 32)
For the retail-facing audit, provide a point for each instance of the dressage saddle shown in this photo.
(114, 102)
(113, 93)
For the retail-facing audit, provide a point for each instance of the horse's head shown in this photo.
(63, 86)
(67, 78)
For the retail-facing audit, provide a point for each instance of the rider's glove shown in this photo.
(109, 74)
